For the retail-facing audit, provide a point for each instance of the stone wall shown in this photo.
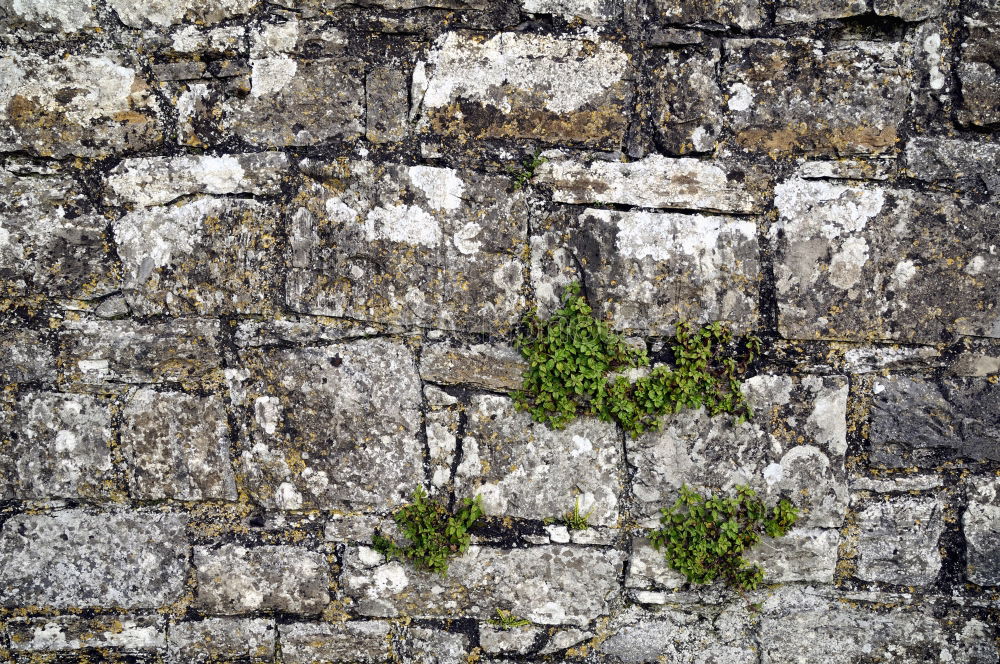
(261, 266)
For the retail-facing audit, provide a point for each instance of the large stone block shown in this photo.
(962, 164)
(684, 637)
(981, 527)
(29, 356)
(331, 427)
(214, 639)
(60, 18)
(74, 558)
(497, 368)
(525, 469)
(810, 11)
(549, 585)
(82, 105)
(520, 85)
(132, 634)
(156, 13)
(897, 539)
(593, 12)
(409, 244)
(744, 14)
(795, 444)
(688, 113)
(804, 96)
(355, 642)
(867, 262)
(979, 64)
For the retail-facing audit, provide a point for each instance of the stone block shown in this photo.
(410, 245)
(909, 10)
(159, 14)
(74, 558)
(29, 356)
(354, 642)
(434, 646)
(684, 637)
(811, 11)
(118, 633)
(591, 12)
(688, 112)
(44, 18)
(959, 164)
(511, 641)
(981, 527)
(744, 14)
(898, 539)
(213, 639)
(978, 65)
(491, 367)
(387, 103)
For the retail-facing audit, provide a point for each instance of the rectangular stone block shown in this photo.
(29, 355)
(811, 11)
(981, 527)
(234, 579)
(745, 14)
(549, 585)
(960, 164)
(153, 13)
(591, 12)
(354, 642)
(689, 103)
(979, 60)
(519, 85)
(410, 245)
(497, 368)
(681, 637)
(74, 558)
(897, 539)
(214, 639)
(131, 634)
(332, 427)
(857, 262)
(38, 18)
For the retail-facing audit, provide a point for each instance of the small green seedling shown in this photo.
(507, 620)
(575, 520)
(434, 535)
(527, 171)
(705, 538)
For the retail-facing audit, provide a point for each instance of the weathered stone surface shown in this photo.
(331, 426)
(138, 634)
(688, 115)
(898, 540)
(146, 13)
(160, 180)
(357, 642)
(51, 241)
(867, 262)
(745, 14)
(803, 625)
(655, 181)
(234, 579)
(83, 105)
(57, 446)
(215, 639)
(207, 257)
(519, 85)
(549, 585)
(981, 527)
(323, 6)
(924, 423)
(525, 469)
(411, 245)
(512, 641)
(963, 164)
(62, 18)
(909, 10)
(805, 96)
(795, 444)
(176, 445)
(593, 12)
(387, 104)
(29, 356)
(442, 442)
(807, 11)
(434, 646)
(978, 65)
(491, 367)
(648, 568)
(803, 554)
(73, 558)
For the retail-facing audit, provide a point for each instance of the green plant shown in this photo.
(572, 358)
(434, 535)
(507, 620)
(705, 538)
(576, 521)
(527, 171)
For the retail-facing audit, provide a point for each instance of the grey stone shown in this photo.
(57, 446)
(234, 579)
(303, 331)
(331, 427)
(82, 105)
(164, 250)
(62, 17)
(311, 38)
(921, 422)
(795, 444)
(159, 180)
(120, 633)
(409, 245)
(434, 646)
(442, 429)
(212, 639)
(210, 42)
(525, 469)
(548, 585)
(846, 169)
(909, 10)
(491, 367)
(803, 554)
(862, 262)
(73, 558)
(156, 13)
(981, 527)
(896, 483)
(322, 6)
(29, 356)
(805, 96)
(176, 445)
(745, 14)
(893, 358)
(512, 641)
(810, 11)
(592, 12)
(357, 642)
(898, 540)
(520, 85)
(688, 115)
(648, 568)
(564, 638)
(978, 64)
(387, 104)
(960, 163)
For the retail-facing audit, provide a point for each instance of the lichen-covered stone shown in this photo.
(803, 11)
(434, 646)
(234, 579)
(83, 105)
(331, 426)
(57, 446)
(648, 568)
(795, 444)
(965, 165)
(548, 585)
(519, 85)
(119, 633)
(805, 96)
(592, 12)
(387, 103)
(491, 367)
(356, 642)
(157, 13)
(176, 445)
(409, 244)
(898, 540)
(29, 356)
(213, 639)
(685, 637)
(802, 554)
(43, 17)
(909, 10)
(981, 527)
(869, 262)
(207, 257)
(920, 422)
(745, 14)
(688, 115)
(977, 68)
(526, 469)
(511, 640)
(75, 558)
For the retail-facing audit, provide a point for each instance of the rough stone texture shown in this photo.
(68, 558)
(804, 554)
(525, 469)
(889, 269)
(138, 634)
(331, 426)
(593, 12)
(495, 368)
(513, 85)
(978, 64)
(61, 18)
(219, 638)
(410, 245)
(29, 356)
(434, 646)
(176, 445)
(964, 164)
(549, 585)
(512, 641)
(234, 579)
(683, 637)
(981, 526)
(142, 13)
(821, 98)
(919, 422)
(909, 10)
(795, 444)
(358, 642)
(688, 115)
(745, 14)
(798, 11)
(898, 540)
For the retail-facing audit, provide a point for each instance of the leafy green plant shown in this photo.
(434, 535)
(527, 171)
(573, 358)
(705, 538)
(575, 520)
(507, 620)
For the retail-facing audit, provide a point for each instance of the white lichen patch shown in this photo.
(814, 208)
(442, 186)
(56, 15)
(271, 75)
